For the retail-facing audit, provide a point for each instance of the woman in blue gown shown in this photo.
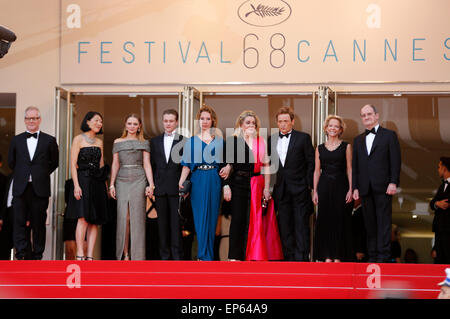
(203, 157)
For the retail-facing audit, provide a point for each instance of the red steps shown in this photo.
(217, 280)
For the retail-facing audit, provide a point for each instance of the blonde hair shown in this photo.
(140, 132)
(334, 117)
(240, 120)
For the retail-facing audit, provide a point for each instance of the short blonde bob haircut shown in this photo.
(334, 117)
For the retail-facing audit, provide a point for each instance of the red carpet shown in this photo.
(217, 280)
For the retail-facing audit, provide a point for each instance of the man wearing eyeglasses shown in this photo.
(33, 156)
(376, 176)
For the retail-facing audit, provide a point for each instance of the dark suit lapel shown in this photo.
(376, 140)
(292, 141)
(39, 145)
(161, 147)
(364, 145)
(24, 145)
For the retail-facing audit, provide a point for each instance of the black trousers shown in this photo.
(293, 221)
(442, 246)
(377, 212)
(240, 215)
(169, 227)
(29, 207)
(6, 235)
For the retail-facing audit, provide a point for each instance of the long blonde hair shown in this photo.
(240, 120)
(140, 132)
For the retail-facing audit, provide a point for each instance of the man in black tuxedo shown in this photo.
(376, 176)
(33, 156)
(293, 153)
(166, 173)
(441, 207)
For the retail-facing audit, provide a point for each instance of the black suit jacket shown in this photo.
(441, 220)
(166, 175)
(296, 175)
(44, 162)
(381, 167)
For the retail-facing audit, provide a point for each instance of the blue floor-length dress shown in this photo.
(205, 191)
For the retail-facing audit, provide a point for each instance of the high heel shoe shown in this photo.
(89, 258)
(80, 258)
(126, 257)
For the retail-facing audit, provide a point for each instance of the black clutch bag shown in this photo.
(186, 188)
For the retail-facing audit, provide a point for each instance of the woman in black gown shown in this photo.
(332, 193)
(89, 200)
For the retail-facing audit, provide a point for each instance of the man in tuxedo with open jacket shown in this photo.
(166, 174)
(292, 154)
(33, 156)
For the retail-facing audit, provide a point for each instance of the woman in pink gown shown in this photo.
(253, 229)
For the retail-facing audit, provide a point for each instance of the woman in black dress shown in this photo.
(332, 193)
(89, 200)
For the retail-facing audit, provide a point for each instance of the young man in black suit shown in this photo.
(441, 207)
(376, 176)
(166, 172)
(33, 156)
(293, 152)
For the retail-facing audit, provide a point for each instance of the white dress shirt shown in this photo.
(168, 141)
(32, 144)
(282, 147)
(369, 139)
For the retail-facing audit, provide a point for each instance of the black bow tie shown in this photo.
(371, 131)
(445, 182)
(32, 135)
(285, 135)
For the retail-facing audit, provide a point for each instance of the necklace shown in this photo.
(332, 147)
(88, 139)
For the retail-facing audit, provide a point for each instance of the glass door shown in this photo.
(63, 124)
(191, 101)
(324, 105)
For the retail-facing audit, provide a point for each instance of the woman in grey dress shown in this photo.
(131, 182)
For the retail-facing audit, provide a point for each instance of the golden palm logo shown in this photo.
(265, 11)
